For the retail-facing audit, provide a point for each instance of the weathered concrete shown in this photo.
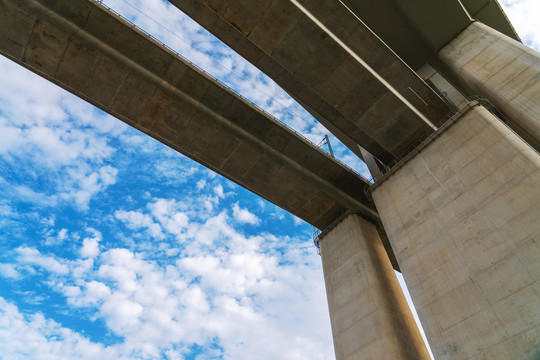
(416, 30)
(368, 311)
(462, 218)
(501, 69)
(80, 46)
(322, 73)
(446, 90)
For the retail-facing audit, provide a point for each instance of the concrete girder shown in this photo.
(417, 29)
(82, 47)
(332, 63)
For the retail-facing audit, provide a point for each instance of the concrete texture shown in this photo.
(504, 71)
(417, 29)
(368, 311)
(315, 69)
(446, 90)
(80, 46)
(462, 218)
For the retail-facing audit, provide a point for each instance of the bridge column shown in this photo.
(368, 311)
(463, 218)
(501, 69)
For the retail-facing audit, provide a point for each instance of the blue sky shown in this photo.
(113, 246)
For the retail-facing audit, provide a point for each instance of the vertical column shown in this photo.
(503, 70)
(463, 218)
(369, 314)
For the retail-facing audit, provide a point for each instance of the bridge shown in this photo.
(455, 201)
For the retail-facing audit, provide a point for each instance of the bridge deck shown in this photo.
(332, 63)
(91, 52)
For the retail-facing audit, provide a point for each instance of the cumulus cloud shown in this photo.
(9, 271)
(33, 336)
(58, 138)
(31, 256)
(83, 184)
(90, 247)
(218, 190)
(244, 215)
(137, 220)
(229, 294)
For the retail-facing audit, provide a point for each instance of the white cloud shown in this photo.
(9, 271)
(83, 184)
(201, 184)
(168, 214)
(224, 288)
(31, 256)
(35, 337)
(90, 247)
(244, 215)
(218, 190)
(136, 220)
(523, 15)
(24, 193)
(297, 221)
(62, 234)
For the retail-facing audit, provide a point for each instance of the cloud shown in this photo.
(218, 190)
(8, 271)
(519, 12)
(136, 220)
(31, 256)
(90, 248)
(83, 184)
(225, 293)
(168, 214)
(244, 215)
(26, 194)
(33, 336)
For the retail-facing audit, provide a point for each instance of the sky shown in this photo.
(113, 246)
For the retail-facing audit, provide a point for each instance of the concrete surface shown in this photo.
(104, 60)
(294, 50)
(417, 29)
(368, 311)
(504, 71)
(446, 90)
(463, 220)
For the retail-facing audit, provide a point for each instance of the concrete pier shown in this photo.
(369, 314)
(501, 69)
(463, 220)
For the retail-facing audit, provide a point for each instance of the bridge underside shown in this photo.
(84, 48)
(333, 65)
(344, 72)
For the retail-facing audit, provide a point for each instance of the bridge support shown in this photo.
(369, 314)
(501, 69)
(462, 217)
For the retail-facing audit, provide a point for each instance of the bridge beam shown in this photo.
(89, 51)
(369, 314)
(462, 218)
(332, 64)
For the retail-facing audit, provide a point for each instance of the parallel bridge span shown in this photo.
(84, 48)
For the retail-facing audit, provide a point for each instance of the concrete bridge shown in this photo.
(457, 190)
